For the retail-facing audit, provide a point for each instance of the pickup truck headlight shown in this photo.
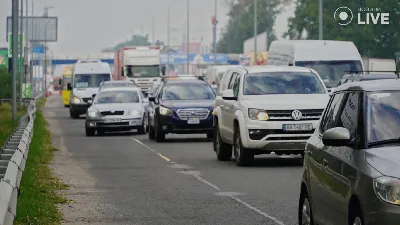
(93, 113)
(77, 99)
(258, 114)
(165, 111)
(134, 113)
(388, 189)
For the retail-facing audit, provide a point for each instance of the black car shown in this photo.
(181, 106)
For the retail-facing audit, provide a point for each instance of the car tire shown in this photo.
(356, 217)
(143, 128)
(159, 134)
(90, 132)
(223, 150)
(73, 114)
(305, 214)
(244, 156)
(101, 132)
(210, 134)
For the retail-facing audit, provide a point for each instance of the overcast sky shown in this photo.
(87, 26)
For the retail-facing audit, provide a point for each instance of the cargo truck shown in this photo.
(141, 64)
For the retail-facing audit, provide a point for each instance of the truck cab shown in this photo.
(141, 64)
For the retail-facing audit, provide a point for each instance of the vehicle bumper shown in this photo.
(125, 123)
(173, 124)
(79, 108)
(270, 136)
(385, 214)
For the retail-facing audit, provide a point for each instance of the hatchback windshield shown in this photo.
(282, 83)
(109, 97)
(187, 91)
(383, 110)
(90, 80)
(114, 85)
(332, 71)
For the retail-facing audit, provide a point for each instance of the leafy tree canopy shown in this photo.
(372, 40)
(240, 26)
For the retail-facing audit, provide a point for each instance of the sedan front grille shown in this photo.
(200, 113)
(112, 113)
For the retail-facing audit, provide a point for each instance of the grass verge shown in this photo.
(7, 125)
(38, 201)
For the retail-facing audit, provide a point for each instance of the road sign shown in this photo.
(39, 50)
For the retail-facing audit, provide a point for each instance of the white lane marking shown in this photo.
(256, 210)
(232, 195)
(145, 145)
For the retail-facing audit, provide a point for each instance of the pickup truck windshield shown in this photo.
(383, 116)
(332, 71)
(282, 83)
(143, 71)
(90, 80)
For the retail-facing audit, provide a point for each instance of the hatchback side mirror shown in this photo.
(337, 136)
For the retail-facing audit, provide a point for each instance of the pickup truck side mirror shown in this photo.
(69, 87)
(228, 95)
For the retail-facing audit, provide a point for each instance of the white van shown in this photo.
(331, 59)
(87, 76)
(215, 73)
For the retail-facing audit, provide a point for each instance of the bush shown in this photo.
(6, 84)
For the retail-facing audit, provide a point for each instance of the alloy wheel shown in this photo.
(306, 213)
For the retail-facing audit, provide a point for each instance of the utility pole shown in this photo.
(215, 21)
(321, 37)
(153, 39)
(187, 37)
(32, 56)
(255, 31)
(14, 57)
(21, 52)
(168, 37)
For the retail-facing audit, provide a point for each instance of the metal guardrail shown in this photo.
(13, 157)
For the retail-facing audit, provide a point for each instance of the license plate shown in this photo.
(112, 120)
(297, 127)
(193, 121)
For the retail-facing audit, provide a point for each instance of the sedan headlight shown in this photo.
(258, 114)
(388, 189)
(77, 99)
(134, 113)
(93, 113)
(165, 111)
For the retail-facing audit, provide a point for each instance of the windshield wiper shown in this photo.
(384, 142)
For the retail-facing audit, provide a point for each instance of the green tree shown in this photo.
(240, 26)
(136, 40)
(371, 40)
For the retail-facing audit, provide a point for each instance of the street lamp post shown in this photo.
(14, 57)
(187, 37)
(21, 52)
(320, 20)
(215, 21)
(255, 30)
(168, 37)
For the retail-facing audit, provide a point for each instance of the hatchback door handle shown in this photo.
(325, 163)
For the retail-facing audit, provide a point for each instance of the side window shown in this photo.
(349, 115)
(331, 113)
(232, 81)
(236, 86)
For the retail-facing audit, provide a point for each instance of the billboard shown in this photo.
(37, 28)
(4, 57)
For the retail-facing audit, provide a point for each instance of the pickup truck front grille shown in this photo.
(284, 115)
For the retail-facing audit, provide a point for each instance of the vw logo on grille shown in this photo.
(193, 112)
(297, 115)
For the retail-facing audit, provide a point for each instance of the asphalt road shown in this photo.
(128, 179)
